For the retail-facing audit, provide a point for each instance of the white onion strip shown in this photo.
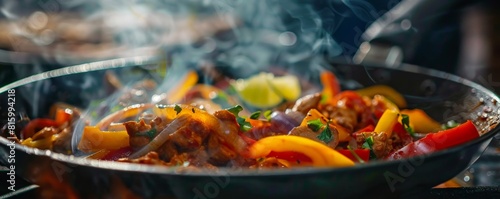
(162, 136)
(122, 114)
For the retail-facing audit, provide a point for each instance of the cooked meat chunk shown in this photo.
(151, 158)
(306, 132)
(140, 133)
(62, 142)
(224, 145)
(190, 137)
(382, 144)
(342, 116)
(219, 152)
(307, 103)
(216, 135)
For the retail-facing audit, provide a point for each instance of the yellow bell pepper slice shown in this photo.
(386, 122)
(170, 112)
(45, 143)
(179, 91)
(420, 121)
(313, 114)
(93, 139)
(386, 91)
(319, 154)
(388, 103)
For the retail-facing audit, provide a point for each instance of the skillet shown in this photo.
(443, 96)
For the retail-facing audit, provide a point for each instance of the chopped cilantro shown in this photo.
(369, 145)
(235, 109)
(177, 109)
(255, 115)
(267, 114)
(315, 125)
(326, 135)
(150, 134)
(244, 125)
(405, 120)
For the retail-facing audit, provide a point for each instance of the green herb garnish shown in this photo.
(315, 125)
(369, 145)
(244, 125)
(177, 109)
(255, 115)
(326, 135)
(150, 133)
(235, 110)
(405, 120)
(267, 114)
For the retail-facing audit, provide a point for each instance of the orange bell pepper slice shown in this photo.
(420, 121)
(63, 116)
(93, 139)
(331, 85)
(310, 152)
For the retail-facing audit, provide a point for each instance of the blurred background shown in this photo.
(455, 36)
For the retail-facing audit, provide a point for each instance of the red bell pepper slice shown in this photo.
(291, 156)
(438, 141)
(35, 125)
(364, 154)
(368, 128)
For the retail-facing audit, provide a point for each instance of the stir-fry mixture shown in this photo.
(209, 126)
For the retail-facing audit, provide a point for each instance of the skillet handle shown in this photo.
(394, 37)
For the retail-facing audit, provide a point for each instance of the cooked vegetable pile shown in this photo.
(265, 121)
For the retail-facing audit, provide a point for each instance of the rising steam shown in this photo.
(246, 36)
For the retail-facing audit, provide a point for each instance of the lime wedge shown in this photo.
(287, 86)
(257, 92)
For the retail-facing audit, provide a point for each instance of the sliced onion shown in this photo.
(283, 122)
(122, 114)
(162, 136)
(295, 115)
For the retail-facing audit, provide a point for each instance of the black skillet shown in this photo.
(443, 96)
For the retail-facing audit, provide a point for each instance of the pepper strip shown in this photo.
(319, 154)
(386, 91)
(387, 122)
(420, 121)
(438, 141)
(93, 139)
(331, 85)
